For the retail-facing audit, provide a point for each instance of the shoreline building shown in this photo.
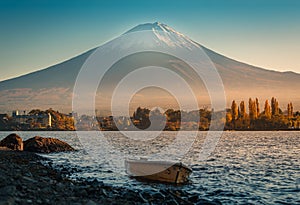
(43, 120)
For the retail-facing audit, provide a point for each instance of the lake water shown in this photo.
(244, 168)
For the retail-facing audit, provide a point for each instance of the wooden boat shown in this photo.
(162, 171)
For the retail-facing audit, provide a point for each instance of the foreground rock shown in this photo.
(13, 142)
(46, 145)
(5, 149)
(24, 179)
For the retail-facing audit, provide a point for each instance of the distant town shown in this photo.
(234, 118)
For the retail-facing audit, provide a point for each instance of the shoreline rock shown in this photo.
(13, 142)
(35, 144)
(28, 178)
(46, 145)
(25, 180)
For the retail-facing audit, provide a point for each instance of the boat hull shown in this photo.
(168, 172)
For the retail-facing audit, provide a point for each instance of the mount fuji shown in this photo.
(53, 86)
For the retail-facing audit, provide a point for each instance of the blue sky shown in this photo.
(35, 34)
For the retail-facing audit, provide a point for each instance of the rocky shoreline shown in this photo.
(25, 179)
(28, 178)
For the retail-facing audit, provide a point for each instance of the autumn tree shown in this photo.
(267, 110)
(257, 107)
(228, 117)
(252, 109)
(290, 110)
(142, 115)
(243, 110)
(274, 106)
(234, 111)
(173, 115)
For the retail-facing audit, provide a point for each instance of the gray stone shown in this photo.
(38, 201)
(28, 179)
(28, 174)
(8, 200)
(47, 190)
(7, 190)
(90, 202)
(81, 192)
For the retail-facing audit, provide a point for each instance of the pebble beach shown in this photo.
(27, 178)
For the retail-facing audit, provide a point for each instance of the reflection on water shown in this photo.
(246, 167)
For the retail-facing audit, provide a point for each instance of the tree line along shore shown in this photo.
(240, 116)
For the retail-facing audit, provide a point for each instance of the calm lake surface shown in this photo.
(245, 167)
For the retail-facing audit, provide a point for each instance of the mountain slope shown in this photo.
(53, 86)
(61, 75)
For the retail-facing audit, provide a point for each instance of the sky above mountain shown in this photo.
(36, 34)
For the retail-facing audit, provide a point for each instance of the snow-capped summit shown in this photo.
(147, 26)
(151, 26)
(165, 34)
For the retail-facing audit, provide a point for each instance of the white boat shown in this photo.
(164, 171)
